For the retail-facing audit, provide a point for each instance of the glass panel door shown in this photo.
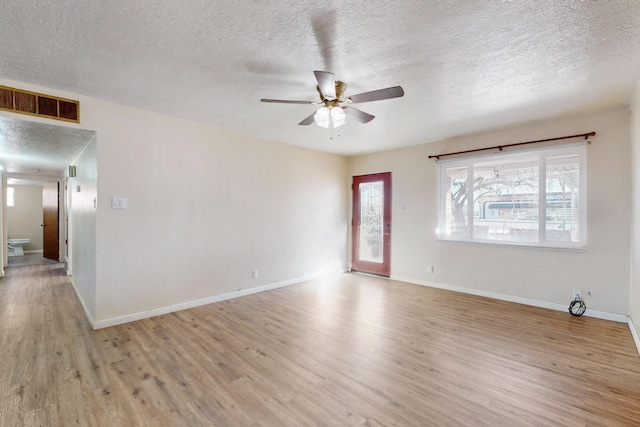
(372, 223)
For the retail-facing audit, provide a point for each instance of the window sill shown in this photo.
(515, 245)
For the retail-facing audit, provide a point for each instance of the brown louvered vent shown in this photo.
(38, 104)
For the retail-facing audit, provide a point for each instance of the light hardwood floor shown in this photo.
(29, 259)
(348, 351)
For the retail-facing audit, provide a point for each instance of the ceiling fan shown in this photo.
(335, 105)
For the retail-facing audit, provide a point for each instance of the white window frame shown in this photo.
(542, 154)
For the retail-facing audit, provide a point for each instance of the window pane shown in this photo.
(563, 198)
(371, 217)
(532, 198)
(505, 194)
(10, 197)
(456, 207)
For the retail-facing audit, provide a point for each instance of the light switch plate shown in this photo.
(119, 203)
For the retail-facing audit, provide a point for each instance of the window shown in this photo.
(10, 197)
(533, 198)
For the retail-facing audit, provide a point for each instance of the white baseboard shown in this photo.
(195, 303)
(634, 334)
(543, 304)
(35, 251)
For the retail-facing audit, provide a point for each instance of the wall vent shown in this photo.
(38, 104)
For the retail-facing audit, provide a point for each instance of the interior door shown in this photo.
(50, 238)
(371, 225)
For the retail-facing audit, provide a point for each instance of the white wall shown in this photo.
(24, 220)
(206, 207)
(533, 274)
(83, 227)
(634, 291)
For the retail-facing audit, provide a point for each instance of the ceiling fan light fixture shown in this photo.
(327, 116)
(323, 117)
(338, 117)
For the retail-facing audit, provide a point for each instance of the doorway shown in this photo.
(50, 219)
(371, 224)
(40, 152)
(32, 216)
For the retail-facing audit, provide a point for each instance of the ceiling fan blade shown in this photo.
(360, 116)
(377, 95)
(286, 101)
(326, 83)
(307, 121)
(324, 26)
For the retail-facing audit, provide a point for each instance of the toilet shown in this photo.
(16, 246)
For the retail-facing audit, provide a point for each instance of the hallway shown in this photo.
(29, 259)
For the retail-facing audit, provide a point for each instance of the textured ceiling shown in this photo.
(37, 151)
(465, 66)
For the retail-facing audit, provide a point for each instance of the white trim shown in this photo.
(514, 245)
(35, 251)
(195, 303)
(519, 300)
(634, 334)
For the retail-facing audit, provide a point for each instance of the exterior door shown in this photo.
(371, 225)
(50, 238)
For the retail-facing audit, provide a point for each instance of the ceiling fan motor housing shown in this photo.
(341, 87)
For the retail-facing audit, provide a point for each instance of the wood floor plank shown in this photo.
(349, 350)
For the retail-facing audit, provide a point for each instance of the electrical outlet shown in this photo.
(430, 269)
(577, 293)
(254, 274)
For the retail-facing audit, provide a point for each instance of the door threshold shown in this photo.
(364, 273)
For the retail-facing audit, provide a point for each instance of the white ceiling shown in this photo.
(465, 66)
(31, 152)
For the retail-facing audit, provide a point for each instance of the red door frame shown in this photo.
(384, 268)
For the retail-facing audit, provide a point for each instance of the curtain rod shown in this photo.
(500, 147)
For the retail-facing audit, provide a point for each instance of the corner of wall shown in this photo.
(3, 225)
(634, 334)
(86, 310)
(634, 276)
